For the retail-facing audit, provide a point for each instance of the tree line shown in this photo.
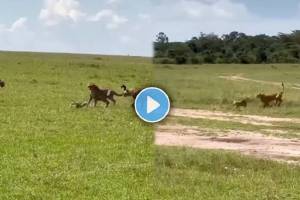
(235, 47)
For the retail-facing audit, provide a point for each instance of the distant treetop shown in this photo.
(235, 47)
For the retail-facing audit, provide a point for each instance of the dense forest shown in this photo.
(234, 47)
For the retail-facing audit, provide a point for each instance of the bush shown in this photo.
(196, 60)
(181, 60)
(209, 59)
(220, 60)
(247, 58)
(164, 61)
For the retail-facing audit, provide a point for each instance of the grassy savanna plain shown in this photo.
(52, 151)
(201, 86)
(210, 87)
(186, 173)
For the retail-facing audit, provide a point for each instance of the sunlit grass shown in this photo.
(184, 173)
(52, 151)
(199, 86)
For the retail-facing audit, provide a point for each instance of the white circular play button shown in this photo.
(152, 104)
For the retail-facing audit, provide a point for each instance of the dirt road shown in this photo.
(245, 142)
(248, 143)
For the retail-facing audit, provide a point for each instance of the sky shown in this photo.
(128, 27)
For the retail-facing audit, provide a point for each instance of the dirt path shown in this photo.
(227, 116)
(248, 143)
(240, 78)
(245, 142)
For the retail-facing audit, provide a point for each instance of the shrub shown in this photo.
(196, 60)
(181, 60)
(164, 61)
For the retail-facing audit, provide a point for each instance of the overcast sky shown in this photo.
(129, 26)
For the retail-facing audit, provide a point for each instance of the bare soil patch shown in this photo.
(248, 143)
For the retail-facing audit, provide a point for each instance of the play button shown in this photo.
(152, 104)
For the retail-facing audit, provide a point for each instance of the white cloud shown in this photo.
(111, 19)
(137, 21)
(201, 10)
(17, 25)
(57, 11)
(183, 19)
(102, 14)
(16, 36)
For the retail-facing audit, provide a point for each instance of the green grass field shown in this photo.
(199, 86)
(185, 173)
(52, 151)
